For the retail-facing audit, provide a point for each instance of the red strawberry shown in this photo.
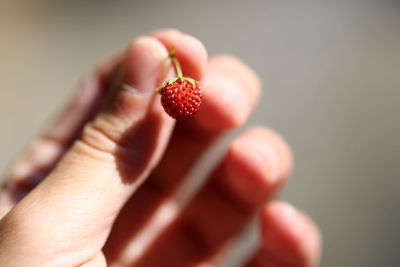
(180, 96)
(181, 99)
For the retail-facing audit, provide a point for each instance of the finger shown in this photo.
(44, 153)
(115, 154)
(186, 46)
(289, 238)
(255, 165)
(188, 142)
(232, 90)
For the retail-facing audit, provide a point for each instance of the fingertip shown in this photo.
(161, 33)
(282, 148)
(231, 91)
(279, 216)
(191, 53)
(314, 245)
(144, 64)
(250, 167)
(255, 165)
(224, 104)
(288, 235)
(234, 66)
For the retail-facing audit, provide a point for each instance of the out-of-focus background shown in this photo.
(331, 74)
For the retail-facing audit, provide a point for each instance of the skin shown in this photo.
(99, 187)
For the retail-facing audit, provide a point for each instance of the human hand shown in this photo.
(107, 175)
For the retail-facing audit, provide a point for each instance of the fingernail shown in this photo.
(143, 65)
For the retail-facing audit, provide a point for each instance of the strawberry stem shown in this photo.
(175, 62)
(178, 71)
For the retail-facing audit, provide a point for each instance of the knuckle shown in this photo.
(101, 134)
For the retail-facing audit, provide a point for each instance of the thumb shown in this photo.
(70, 214)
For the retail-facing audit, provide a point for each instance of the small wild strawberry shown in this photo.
(180, 96)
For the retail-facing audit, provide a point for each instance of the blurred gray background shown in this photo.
(331, 74)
